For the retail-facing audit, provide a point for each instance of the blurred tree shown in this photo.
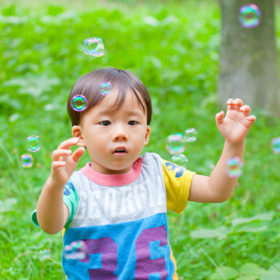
(248, 57)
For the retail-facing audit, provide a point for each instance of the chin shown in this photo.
(120, 170)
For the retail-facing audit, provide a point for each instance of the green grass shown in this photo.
(174, 49)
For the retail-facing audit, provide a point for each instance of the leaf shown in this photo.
(156, 62)
(220, 232)
(251, 269)
(260, 217)
(275, 267)
(25, 67)
(247, 278)
(7, 101)
(177, 89)
(13, 19)
(150, 21)
(224, 272)
(270, 275)
(4, 235)
(58, 19)
(248, 228)
(14, 117)
(7, 204)
(33, 85)
(171, 19)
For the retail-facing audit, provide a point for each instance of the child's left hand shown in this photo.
(237, 121)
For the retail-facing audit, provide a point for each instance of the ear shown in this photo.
(147, 136)
(77, 132)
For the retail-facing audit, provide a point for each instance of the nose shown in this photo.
(120, 133)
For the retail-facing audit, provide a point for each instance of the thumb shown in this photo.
(219, 118)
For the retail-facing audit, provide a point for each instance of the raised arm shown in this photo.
(52, 213)
(234, 127)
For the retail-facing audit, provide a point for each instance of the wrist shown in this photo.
(234, 149)
(234, 145)
(53, 185)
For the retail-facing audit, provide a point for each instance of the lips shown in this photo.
(120, 151)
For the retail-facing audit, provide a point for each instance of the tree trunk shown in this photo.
(248, 57)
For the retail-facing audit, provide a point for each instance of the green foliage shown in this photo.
(173, 47)
(7, 204)
(248, 271)
(238, 225)
(224, 272)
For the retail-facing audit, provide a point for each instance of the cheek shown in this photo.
(142, 141)
(91, 140)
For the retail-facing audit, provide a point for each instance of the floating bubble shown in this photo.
(180, 159)
(79, 103)
(105, 88)
(77, 250)
(93, 46)
(190, 134)
(45, 254)
(27, 160)
(234, 166)
(249, 15)
(175, 144)
(276, 145)
(33, 143)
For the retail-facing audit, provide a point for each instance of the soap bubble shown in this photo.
(79, 103)
(276, 145)
(180, 159)
(249, 16)
(27, 160)
(93, 46)
(234, 166)
(190, 134)
(77, 250)
(33, 143)
(105, 88)
(45, 254)
(175, 144)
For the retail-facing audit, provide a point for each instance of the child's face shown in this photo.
(114, 139)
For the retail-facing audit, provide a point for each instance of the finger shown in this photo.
(60, 152)
(237, 103)
(220, 118)
(230, 103)
(68, 143)
(246, 110)
(251, 119)
(78, 154)
(56, 164)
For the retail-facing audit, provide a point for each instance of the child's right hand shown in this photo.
(64, 162)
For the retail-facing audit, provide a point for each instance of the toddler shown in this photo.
(117, 203)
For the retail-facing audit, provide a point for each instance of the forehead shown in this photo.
(112, 102)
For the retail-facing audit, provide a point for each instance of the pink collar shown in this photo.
(113, 179)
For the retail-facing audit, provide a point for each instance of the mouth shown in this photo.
(120, 151)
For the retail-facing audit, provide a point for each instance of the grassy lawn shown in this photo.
(174, 49)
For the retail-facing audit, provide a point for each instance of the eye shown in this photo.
(105, 123)
(133, 122)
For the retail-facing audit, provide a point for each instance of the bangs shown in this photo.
(122, 81)
(123, 87)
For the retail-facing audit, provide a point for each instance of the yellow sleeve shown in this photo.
(177, 182)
